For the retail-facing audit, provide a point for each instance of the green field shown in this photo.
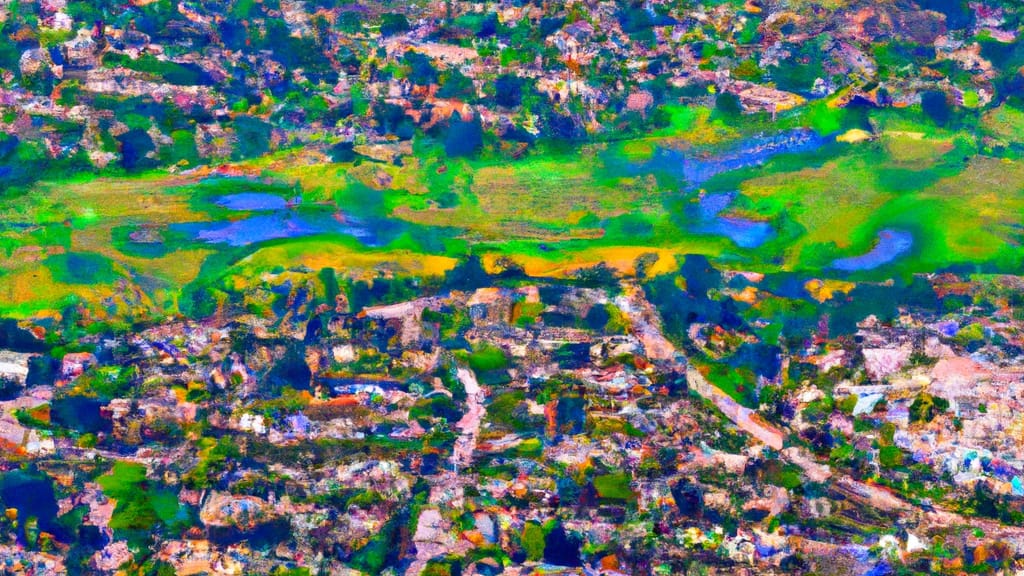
(114, 244)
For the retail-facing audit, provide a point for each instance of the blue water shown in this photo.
(710, 205)
(290, 224)
(256, 229)
(744, 232)
(891, 245)
(247, 201)
(696, 168)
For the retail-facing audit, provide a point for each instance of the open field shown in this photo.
(132, 244)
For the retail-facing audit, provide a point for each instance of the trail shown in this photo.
(647, 327)
(431, 538)
(469, 424)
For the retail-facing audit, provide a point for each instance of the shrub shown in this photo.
(890, 457)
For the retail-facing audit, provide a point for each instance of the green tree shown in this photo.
(926, 407)
(533, 541)
(890, 456)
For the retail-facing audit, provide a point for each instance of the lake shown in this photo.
(251, 201)
(277, 219)
(891, 245)
(744, 232)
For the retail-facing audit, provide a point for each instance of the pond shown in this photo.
(291, 223)
(251, 201)
(891, 245)
(744, 232)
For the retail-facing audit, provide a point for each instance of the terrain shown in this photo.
(618, 287)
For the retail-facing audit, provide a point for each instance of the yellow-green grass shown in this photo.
(76, 217)
(694, 126)
(569, 258)
(550, 191)
(32, 289)
(177, 267)
(828, 203)
(619, 258)
(913, 150)
(543, 198)
(356, 261)
(80, 216)
(149, 198)
(321, 182)
(1004, 124)
(973, 216)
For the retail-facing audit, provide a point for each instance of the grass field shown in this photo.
(115, 243)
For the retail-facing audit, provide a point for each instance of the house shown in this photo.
(14, 366)
(75, 363)
(82, 52)
(756, 98)
(34, 61)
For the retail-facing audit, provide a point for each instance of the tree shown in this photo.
(508, 91)
(20, 162)
(926, 407)
(421, 69)
(562, 548)
(350, 22)
(890, 456)
(391, 24)
(596, 276)
(644, 263)
(935, 106)
(465, 137)
(728, 105)
(455, 84)
(135, 146)
(329, 278)
(468, 275)
(533, 541)
(391, 119)
(563, 127)
(958, 13)
(253, 137)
